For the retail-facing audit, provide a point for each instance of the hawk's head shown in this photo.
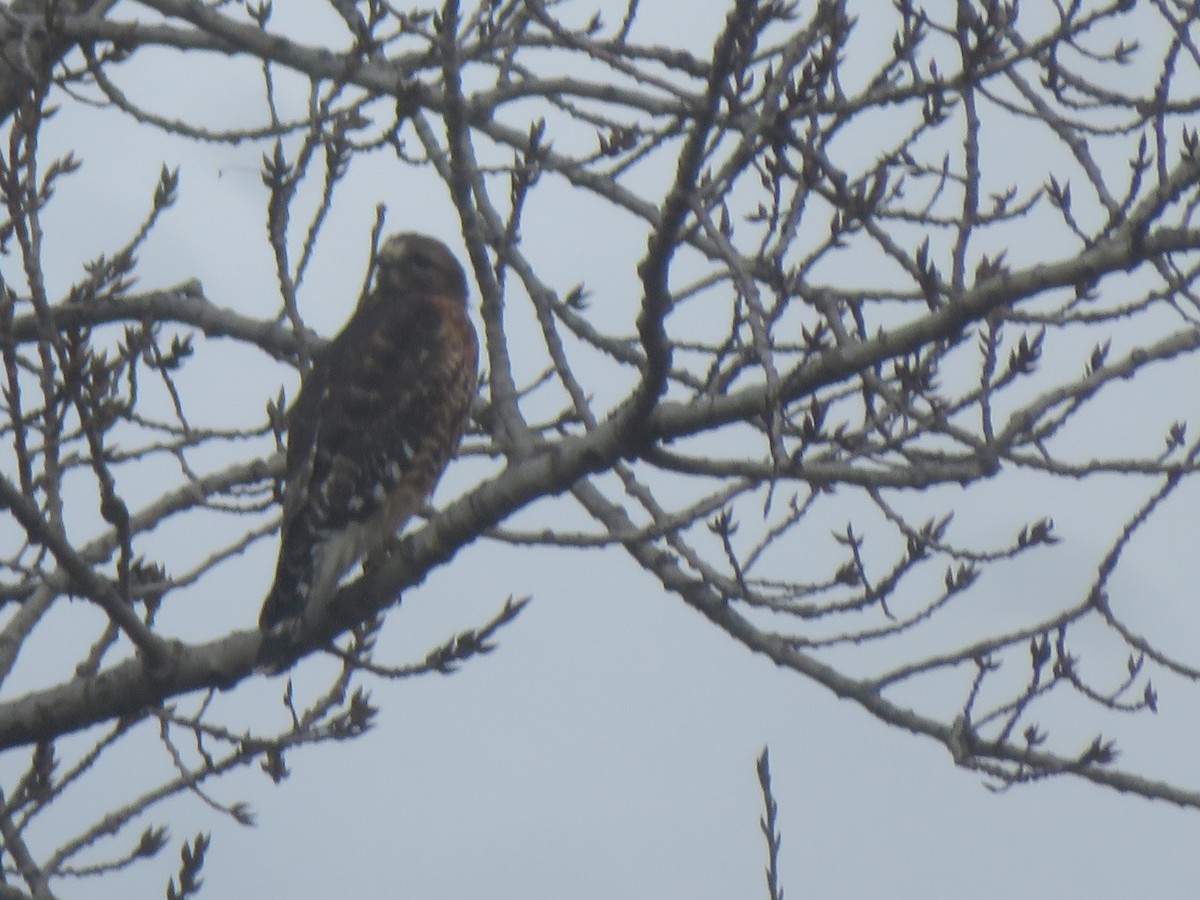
(411, 261)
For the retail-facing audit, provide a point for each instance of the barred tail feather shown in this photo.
(283, 602)
(293, 574)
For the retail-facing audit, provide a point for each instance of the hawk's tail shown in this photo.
(281, 604)
(285, 603)
(289, 593)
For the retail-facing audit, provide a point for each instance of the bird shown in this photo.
(378, 416)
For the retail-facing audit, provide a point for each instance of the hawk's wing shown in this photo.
(303, 426)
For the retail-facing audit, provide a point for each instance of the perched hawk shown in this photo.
(376, 421)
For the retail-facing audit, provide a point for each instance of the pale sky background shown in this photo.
(607, 749)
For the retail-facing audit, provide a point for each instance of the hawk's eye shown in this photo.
(420, 261)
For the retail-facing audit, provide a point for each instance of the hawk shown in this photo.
(377, 419)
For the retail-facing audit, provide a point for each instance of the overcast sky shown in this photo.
(607, 749)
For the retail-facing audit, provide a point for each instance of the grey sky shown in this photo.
(607, 749)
